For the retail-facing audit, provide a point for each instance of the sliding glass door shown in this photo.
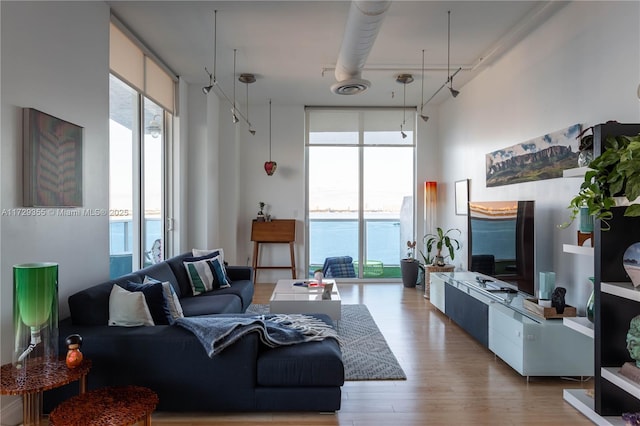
(360, 174)
(136, 179)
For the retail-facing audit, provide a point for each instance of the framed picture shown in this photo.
(52, 156)
(462, 196)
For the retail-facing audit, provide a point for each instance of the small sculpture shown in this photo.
(261, 216)
(557, 299)
(74, 356)
(633, 339)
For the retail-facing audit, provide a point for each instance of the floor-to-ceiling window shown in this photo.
(360, 191)
(141, 97)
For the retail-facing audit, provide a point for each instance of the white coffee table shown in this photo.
(290, 299)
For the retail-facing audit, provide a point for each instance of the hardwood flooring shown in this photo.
(452, 380)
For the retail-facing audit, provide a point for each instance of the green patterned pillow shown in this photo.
(206, 275)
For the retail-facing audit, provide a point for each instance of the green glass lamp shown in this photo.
(35, 312)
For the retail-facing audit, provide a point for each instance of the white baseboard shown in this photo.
(11, 411)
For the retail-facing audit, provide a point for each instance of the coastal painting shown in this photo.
(541, 158)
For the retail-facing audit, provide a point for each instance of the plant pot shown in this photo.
(409, 269)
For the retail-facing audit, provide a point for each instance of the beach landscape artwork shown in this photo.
(631, 263)
(541, 158)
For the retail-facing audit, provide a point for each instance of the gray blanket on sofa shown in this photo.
(217, 333)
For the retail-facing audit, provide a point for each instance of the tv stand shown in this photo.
(530, 344)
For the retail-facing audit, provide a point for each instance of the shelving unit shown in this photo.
(616, 303)
(577, 172)
(575, 249)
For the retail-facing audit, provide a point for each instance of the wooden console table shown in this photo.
(277, 231)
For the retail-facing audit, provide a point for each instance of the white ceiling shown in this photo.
(288, 44)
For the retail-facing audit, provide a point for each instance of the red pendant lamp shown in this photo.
(270, 166)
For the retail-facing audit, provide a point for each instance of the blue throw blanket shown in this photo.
(217, 333)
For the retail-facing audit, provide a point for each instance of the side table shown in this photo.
(37, 377)
(109, 406)
(428, 269)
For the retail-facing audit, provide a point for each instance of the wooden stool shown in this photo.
(110, 406)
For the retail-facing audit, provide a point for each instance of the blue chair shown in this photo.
(339, 267)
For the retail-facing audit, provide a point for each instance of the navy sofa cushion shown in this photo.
(161, 272)
(210, 303)
(308, 364)
(154, 296)
(91, 306)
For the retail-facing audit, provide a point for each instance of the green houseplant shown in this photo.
(440, 240)
(615, 173)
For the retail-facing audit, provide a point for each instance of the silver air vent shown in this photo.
(352, 86)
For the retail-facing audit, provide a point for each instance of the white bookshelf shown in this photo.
(621, 289)
(579, 324)
(583, 402)
(576, 249)
(612, 374)
(576, 172)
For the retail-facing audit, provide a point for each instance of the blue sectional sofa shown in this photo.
(247, 376)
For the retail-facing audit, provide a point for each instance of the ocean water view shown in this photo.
(339, 237)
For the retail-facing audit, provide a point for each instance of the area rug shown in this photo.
(365, 353)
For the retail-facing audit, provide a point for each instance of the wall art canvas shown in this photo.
(541, 158)
(52, 161)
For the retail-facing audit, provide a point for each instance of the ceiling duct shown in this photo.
(363, 23)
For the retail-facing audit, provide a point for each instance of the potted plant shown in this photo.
(612, 175)
(410, 266)
(440, 240)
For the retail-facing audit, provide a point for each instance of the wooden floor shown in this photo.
(452, 380)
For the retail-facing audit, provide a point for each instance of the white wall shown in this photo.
(574, 69)
(62, 69)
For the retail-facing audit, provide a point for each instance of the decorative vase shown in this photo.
(585, 157)
(631, 263)
(591, 303)
(409, 269)
(586, 221)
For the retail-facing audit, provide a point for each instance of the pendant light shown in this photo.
(404, 79)
(233, 109)
(270, 166)
(213, 82)
(453, 91)
(449, 81)
(424, 117)
(247, 79)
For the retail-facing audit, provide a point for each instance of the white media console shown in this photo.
(531, 345)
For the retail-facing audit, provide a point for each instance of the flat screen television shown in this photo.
(501, 241)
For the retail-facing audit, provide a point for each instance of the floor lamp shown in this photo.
(430, 200)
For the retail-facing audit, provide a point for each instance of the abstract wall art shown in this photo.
(52, 160)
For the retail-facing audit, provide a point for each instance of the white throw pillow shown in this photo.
(128, 308)
(204, 252)
(172, 301)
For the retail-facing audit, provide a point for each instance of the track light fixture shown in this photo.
(450, 76)
(404, 79)
(207, 89)
(236, 115)
(424, 117)
(453, 91)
